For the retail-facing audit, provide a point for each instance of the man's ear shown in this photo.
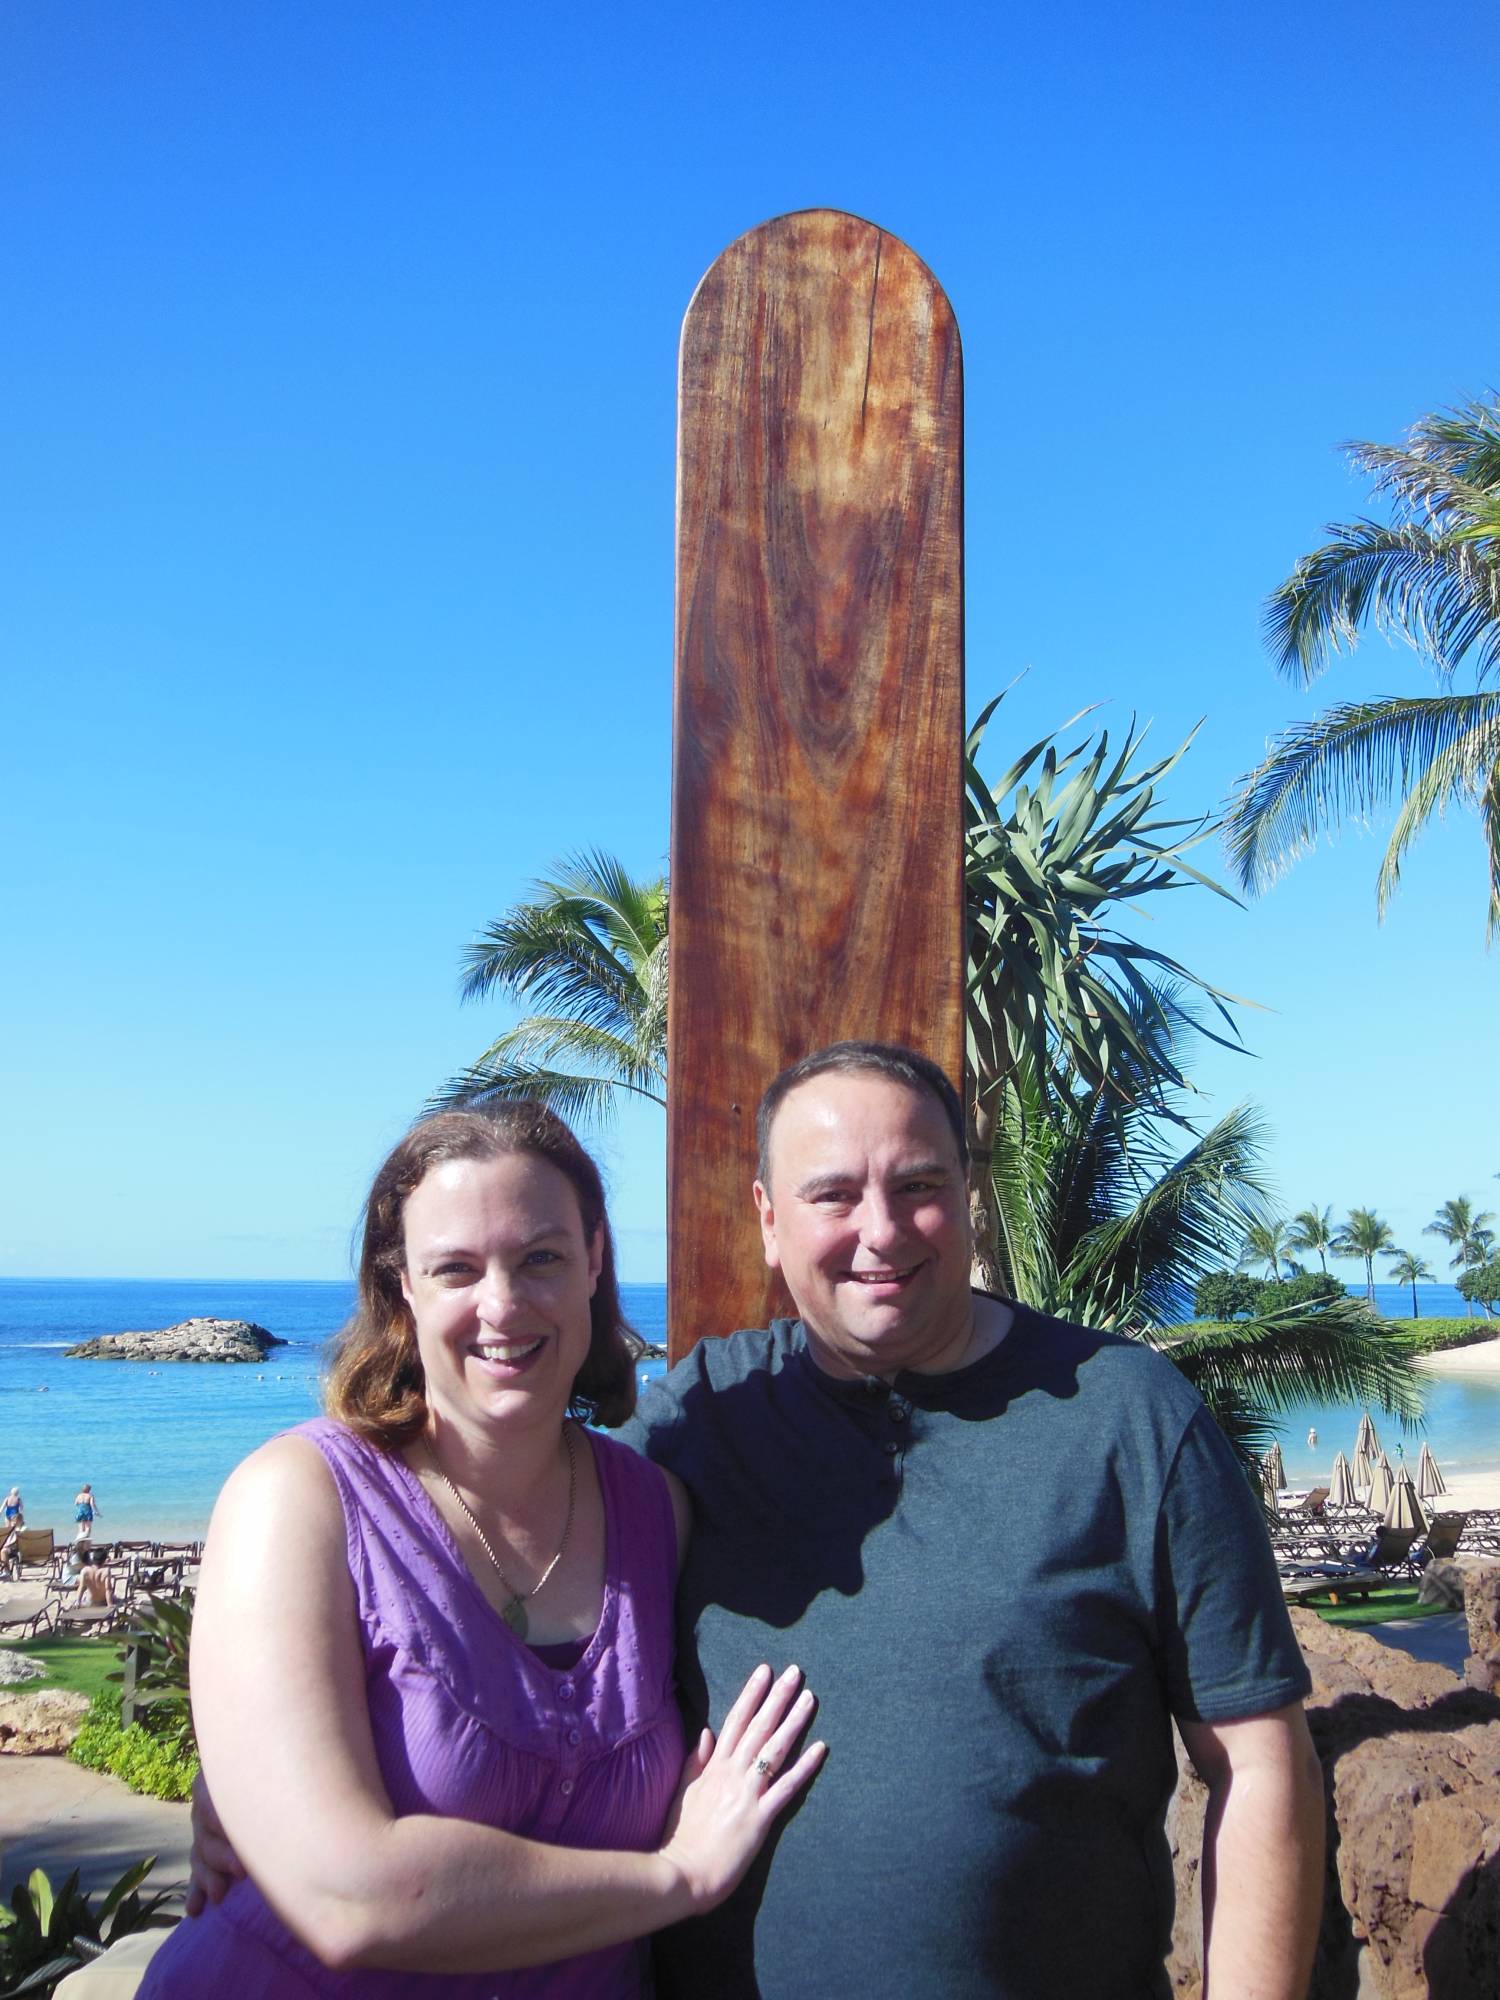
(767, 1216)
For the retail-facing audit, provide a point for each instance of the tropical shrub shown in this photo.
(148, 1759)
(1302, 1290)
(1429, 1336)
(1227, 1295)
(46, 1934)
(1481, 1284)
(159, 1633)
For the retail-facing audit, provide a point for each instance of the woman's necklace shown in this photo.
(514, 1613)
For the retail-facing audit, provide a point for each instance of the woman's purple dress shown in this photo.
(470, 1723)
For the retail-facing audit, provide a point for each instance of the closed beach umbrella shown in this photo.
(1381, 1487)
(1341, 1491)
(1404, 1509)
(1275, 1469)
(1429, 1480)
(1365, 1439)
(1361, 1470)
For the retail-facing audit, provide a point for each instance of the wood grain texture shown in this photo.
(817, 844)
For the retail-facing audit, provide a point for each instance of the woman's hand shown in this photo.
(213, 1865)
(732, 1790)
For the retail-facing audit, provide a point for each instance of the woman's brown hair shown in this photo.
(375, 1382)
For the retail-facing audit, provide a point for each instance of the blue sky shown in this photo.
(339, 362)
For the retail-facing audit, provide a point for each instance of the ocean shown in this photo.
(158, 1442)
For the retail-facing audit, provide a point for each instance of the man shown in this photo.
(1006, 1552)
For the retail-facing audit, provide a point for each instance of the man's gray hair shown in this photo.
(903, 1066)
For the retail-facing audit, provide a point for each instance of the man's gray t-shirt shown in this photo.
(1001, 1583)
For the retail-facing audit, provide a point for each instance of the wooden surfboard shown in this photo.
(817, 838)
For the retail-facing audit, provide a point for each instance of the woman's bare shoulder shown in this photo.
(285, 1478)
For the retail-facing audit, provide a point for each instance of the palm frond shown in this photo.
(1331, 1351)
(547, 1041)
(1463, 768)
(575, 1098)
(1349, 760)
(1440, 594)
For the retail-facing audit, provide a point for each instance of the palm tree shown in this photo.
(1312, 1229)
(1406, 1269)
(1431, 576)
(591, 947)
(1266, 1243)
(1363, 1234)
(1469, 1233)
(1104, 1222)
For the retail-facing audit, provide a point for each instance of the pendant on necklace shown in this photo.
(515, 1617)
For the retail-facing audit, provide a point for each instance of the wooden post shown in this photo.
(817, 831)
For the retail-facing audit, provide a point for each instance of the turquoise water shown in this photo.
(157, 1443)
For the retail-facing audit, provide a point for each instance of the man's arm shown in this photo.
(1262, 1854)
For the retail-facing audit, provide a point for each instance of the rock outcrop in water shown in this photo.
(192, 1340)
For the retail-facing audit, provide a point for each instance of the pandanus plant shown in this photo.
(1054, 987)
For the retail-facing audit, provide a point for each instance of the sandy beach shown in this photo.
(1483, 1358)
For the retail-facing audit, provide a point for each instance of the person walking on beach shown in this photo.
(85, 1507)
(15, 1509)
(1008, 1552)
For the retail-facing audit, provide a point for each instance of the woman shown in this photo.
(85, 1507)
(432, 1654)
(15, 1509)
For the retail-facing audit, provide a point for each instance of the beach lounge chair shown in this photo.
(1482, 1532)
(35, 1546)
(1310, 1503)
(1388, 1555)
(90, 1617)
(1444, 1532)
(28, 1624)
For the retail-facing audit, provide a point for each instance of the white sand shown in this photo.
(1465, 1489)
(1483, 1358)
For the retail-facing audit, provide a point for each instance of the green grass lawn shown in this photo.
(73, 1661)
(1395, 1601)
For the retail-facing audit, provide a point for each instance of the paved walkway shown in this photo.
(57, 1816)
(1442, 1641)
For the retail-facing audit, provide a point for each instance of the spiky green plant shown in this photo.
(1104, 1219)
(47, 1933)
(1055, 991)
